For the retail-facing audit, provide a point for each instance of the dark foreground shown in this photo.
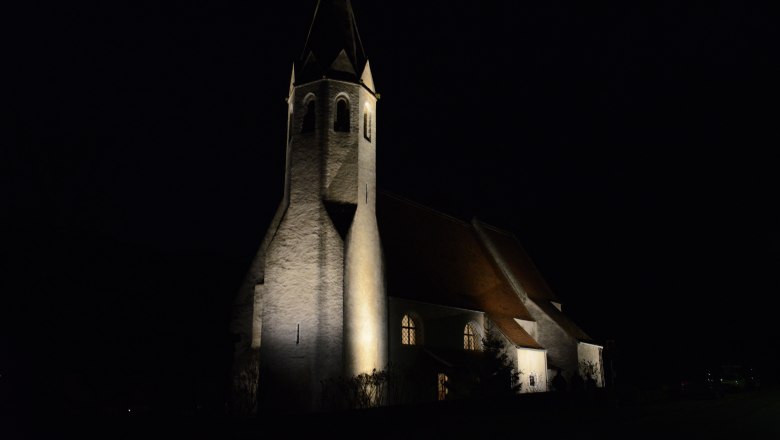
(753, 414)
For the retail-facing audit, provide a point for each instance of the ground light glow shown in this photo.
(365, 324)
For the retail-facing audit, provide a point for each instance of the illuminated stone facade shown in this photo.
(314, 307)
(315, 289)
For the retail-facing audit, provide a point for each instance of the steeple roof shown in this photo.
(333, 48)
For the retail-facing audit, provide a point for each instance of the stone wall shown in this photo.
(313, 303)
(365, 301)
(561, 347)
(303, 287)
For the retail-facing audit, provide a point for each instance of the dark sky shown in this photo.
(628, 146)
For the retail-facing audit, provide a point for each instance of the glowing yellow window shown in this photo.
(408, 331)
(469, 338)
(443, 386)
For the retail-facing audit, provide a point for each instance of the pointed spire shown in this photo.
(333, 47)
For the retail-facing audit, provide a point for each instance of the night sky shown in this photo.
(628, 146)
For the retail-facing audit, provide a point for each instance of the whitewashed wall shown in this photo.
(591, 353)
(532, 362)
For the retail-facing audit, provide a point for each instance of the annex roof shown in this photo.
(522, 269)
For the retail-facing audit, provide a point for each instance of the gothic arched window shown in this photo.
(470, 338)
(408, 331)
(309, 118)
(341, 123)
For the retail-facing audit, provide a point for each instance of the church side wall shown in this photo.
(440, 331)
(439, 326)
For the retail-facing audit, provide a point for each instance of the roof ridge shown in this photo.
(521, 248)
(311, 27)
(493, 227)
(357, 33)
(424, 207)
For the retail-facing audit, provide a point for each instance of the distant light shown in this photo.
(128, 409)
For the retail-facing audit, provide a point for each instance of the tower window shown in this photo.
(309, 118)
(341, 123)
(367, 123)
(442, 386)
(469, 338)
(408, 331)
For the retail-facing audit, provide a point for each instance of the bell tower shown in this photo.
(319, 306)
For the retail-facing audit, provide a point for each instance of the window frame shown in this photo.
(342, 125)
(441, 386)
(470, 341)
(409, 330)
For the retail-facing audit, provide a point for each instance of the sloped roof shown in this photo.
(435, 258)
(519, 264)
(333, 47)
(524, 271)
(512, 330)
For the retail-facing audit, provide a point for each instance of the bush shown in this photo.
(245, 384)
(493, 375)
(366, 390)
(590, 372)
(497, 376)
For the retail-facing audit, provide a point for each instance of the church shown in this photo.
(350, 280)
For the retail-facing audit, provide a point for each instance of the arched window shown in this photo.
(341, 123)
(309, 118)
(442, 386)
(470, 338)
(367, 123)
(408, 331)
